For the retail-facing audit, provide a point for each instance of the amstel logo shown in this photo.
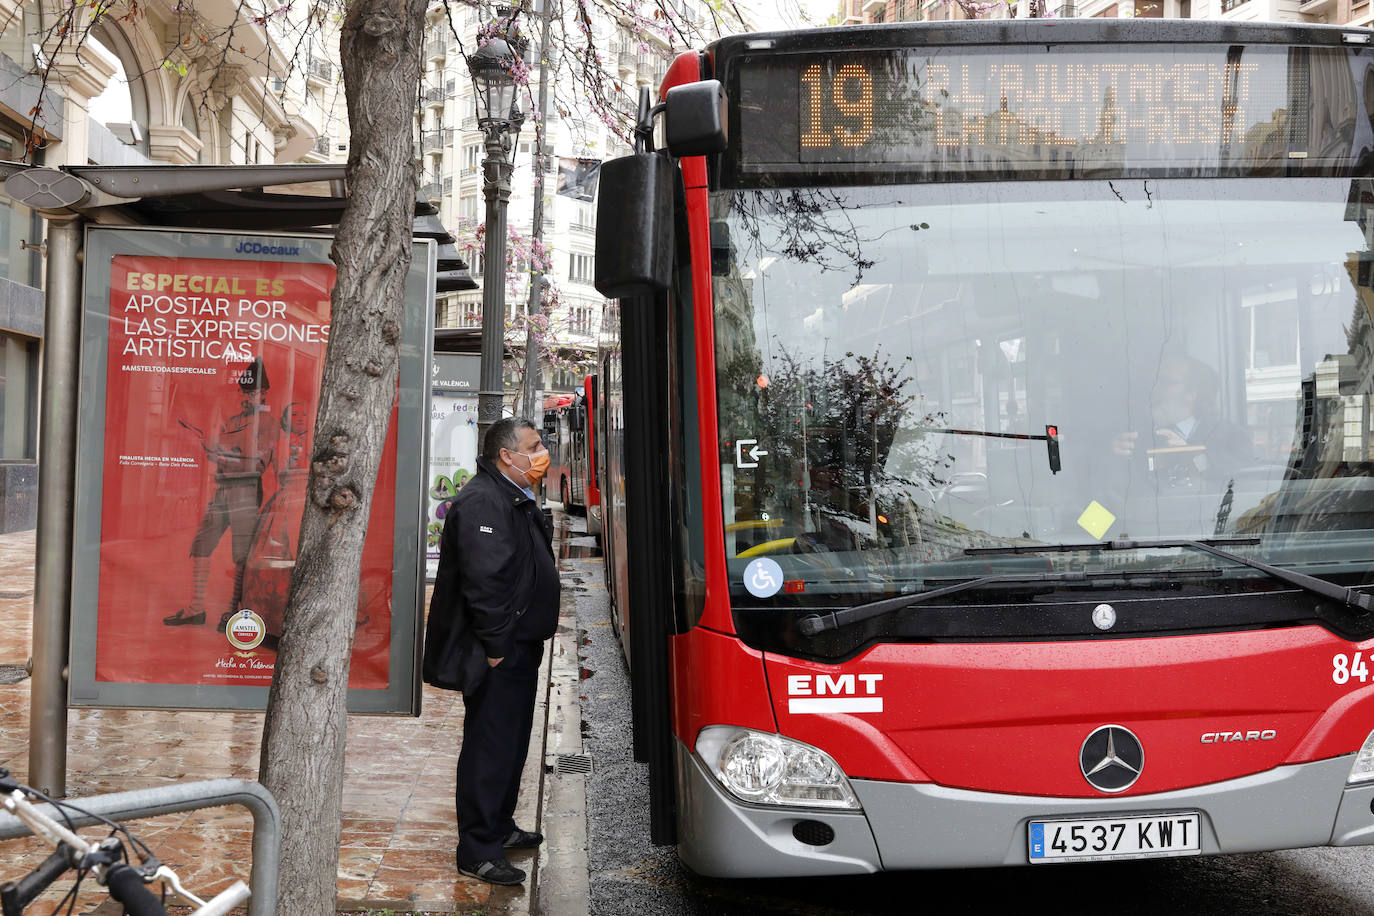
(246, 630)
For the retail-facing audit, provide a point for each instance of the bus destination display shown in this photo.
(1065, 108)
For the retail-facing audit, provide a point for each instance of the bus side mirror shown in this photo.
(694, 119)
(634, 226)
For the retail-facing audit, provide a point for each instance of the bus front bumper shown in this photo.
(921, 825)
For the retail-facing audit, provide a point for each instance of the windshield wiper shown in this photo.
(819, 623)
(1347, 596)
(1098, 545)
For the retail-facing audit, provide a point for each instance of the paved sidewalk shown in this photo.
(398, 822)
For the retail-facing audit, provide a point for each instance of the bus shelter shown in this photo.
(149, 270)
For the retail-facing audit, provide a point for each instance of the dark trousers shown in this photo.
(496, 737)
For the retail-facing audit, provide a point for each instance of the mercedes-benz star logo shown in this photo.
(1111, 759)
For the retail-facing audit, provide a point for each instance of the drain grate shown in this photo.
(12, 674)
(569, 764)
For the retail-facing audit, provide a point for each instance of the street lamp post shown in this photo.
(499, 119)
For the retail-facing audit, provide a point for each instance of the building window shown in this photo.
(17, 224)
(468, 314)
(580, 268)
(583, 217)
(18, 398)
(582, 319)
(123, 105)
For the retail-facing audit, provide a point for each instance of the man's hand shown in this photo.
(1170, 438)
(493, 662)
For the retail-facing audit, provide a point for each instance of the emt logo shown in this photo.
(823, 693)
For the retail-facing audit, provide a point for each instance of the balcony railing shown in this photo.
(433, 190)
(436, 43)
(434, 96)
(436, 141)
(324, 145)
(627, 61)
(317, 68)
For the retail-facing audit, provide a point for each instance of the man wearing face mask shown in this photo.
(495, 603)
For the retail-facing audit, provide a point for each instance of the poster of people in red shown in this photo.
(207, 391)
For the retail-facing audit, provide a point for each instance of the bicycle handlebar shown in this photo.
(126, 886)
(15, 895)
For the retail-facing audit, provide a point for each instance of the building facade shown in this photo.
(160, 82)
(599, 55)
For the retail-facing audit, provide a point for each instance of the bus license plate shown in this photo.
(1114, 838)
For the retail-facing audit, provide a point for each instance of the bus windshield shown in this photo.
(920, 384)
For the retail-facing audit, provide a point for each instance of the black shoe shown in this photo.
(181, 619)
(494, 871)
(224, 619)
(523, 839)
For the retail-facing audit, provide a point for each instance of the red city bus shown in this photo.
(989, 473)
(570, 438)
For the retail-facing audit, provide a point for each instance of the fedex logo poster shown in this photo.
(211, 381)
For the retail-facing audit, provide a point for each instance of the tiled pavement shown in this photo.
(398, 821)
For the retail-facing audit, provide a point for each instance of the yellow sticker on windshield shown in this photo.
(1096, 519)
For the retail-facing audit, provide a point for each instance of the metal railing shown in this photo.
(434, 95)
(436, 42)
(323, 145)
(435, 141)
(433, 190)
(319, 68)
(189, 796)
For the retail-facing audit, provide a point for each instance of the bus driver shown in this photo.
(1192, 440)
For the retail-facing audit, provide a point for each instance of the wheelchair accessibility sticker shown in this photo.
(763, 577)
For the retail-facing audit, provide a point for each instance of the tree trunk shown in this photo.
(306, 725)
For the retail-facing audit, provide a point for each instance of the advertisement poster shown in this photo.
(452, 440)
(206, 394)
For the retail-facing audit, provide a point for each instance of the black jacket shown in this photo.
(497, 581)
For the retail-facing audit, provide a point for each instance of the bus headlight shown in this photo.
(767, 769)
(1362, 770)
